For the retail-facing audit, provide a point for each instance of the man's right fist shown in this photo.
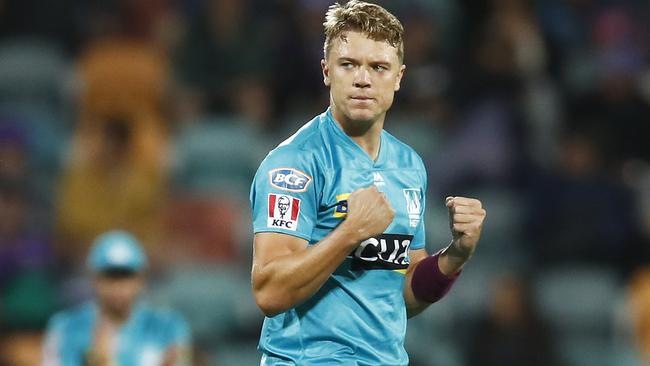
(369, 213)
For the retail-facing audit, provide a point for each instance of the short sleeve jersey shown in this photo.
(142, 341)
(358, 317)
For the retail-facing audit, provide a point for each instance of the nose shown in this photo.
(362, 78)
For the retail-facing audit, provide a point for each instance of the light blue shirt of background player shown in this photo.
(339, 260)
(117, 329)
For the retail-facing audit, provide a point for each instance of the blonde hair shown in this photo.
(372, 20)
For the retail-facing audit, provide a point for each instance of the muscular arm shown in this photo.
(413, 305)
(448, 264)
(466, 217)
(286, 271)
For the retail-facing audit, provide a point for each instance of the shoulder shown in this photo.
(302, 150)
(167, 324)
(71, 317)
(407, 156)
(164, 317)
(306, 137)
(304, 142)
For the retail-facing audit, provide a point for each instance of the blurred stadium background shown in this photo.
(152, 116)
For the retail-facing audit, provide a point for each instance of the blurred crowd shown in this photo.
(152, 115)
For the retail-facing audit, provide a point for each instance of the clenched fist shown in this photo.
(466, 217)
(369, 213)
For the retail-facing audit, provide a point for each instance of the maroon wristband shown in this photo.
(428, 283)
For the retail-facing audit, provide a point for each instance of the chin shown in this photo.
(119, 307)
(362, 115)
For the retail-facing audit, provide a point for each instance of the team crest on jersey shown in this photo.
(413, 205)
(387, 251)
(341, 209)
(289, 179)
(283, 211)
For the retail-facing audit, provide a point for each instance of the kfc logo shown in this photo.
(283, 205)
(283, 211)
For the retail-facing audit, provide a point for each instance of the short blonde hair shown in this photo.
(372, 20)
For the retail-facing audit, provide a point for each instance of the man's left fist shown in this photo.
(466, 217)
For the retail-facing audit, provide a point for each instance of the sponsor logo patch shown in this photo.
(289, 179)
(387, 251)
(413, 198)
(341, 209)
(283, 211)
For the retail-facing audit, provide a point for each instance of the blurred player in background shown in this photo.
(339, 259)
(116, 329)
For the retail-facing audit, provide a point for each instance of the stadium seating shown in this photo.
(32, 70)
(216, 300)
(578, 302)
(216, 155)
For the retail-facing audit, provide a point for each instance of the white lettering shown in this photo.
(402, 258)
(395, 250)
(290, 179)
(296, 180)
(372, 241)
(388, 251)
(279, 178)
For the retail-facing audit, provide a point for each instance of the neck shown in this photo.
(114, 316)
(367, 134)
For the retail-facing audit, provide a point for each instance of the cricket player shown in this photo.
(117, 329)
(339, 247)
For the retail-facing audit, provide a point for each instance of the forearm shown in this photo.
(429, 278)
(413, 305)
(452, 259)
(290, 279)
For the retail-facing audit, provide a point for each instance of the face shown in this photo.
(283, 205)
(117, 291)
(363, 76)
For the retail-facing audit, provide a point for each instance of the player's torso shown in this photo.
(388, 251)
(140, 342)
(346, 168)
(359, 313)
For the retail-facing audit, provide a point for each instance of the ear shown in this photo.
(326, 72)
(400, 74)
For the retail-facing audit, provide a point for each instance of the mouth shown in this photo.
(361, 98)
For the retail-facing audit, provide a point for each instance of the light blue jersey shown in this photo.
(358, 317)
(141, 341)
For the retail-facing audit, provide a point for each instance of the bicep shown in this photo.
(268, 246)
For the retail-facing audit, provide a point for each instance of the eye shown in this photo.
(346, 65)
(379, 68)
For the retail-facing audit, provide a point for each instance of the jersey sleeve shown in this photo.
(419, 239)
(284, 193)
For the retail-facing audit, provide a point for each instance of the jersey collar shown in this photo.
(136, 312)
(347, 140)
